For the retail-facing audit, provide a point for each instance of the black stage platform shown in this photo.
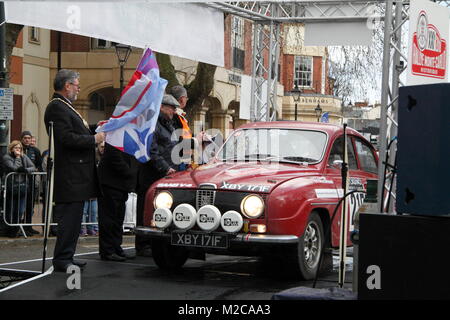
(219, 277)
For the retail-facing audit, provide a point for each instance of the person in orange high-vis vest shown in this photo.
(180, 121)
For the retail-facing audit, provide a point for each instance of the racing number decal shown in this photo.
(355, 202)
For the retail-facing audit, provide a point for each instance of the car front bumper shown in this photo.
(240, 238)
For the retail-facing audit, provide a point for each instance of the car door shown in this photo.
(334, 173)
(367, 169)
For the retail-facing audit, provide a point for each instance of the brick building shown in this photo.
(35, 62)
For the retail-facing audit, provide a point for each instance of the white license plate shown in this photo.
(200, 240)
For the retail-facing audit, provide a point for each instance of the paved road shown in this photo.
(217, 278)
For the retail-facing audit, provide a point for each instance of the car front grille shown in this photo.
(205, 195)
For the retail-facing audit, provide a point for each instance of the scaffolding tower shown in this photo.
(267, 17)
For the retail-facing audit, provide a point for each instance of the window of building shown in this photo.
(237, 42)
(102, 44)
(98, 102)
(33, 35)
(303, 71)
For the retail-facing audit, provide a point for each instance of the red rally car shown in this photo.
(270, 191)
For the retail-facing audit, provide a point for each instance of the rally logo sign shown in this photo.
(429, 50)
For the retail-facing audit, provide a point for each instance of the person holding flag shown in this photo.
(129, 136)
(162, 162)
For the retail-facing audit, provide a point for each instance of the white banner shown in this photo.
(337, 34)
(184, 30)
(246, 97)
(428, 43)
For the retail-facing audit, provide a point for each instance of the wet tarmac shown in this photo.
(217, 278)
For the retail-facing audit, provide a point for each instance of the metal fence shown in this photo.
(24, 195)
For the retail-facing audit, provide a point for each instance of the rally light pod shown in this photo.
(232, 221)
(184, 216)
(208, 218)
(162, 218)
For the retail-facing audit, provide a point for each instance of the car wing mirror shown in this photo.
(337, 164)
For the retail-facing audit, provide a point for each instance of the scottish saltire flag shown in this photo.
(324, 117)
(130, 128)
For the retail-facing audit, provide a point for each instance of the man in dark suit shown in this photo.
(118, 176)
(75, 172)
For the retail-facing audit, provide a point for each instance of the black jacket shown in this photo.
(162, 145)
(160, 155)
(35, 156)
(74, 164)
(117, 169)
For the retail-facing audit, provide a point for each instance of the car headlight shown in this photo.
(164, 199)
(252, 206)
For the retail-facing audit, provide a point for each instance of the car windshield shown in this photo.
(273, 144)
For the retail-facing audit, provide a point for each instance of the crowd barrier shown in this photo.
(24, 195)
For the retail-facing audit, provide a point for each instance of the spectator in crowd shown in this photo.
(33, 141)
(90, 210)
(160, 163)
(16, 185)
(75, 172)
(180, 123)
(90, 213)
(118, 176)
(100, 151)
(30, 150)
(32, 195)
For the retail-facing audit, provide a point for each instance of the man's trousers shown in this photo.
(111, 213)
(68, 216)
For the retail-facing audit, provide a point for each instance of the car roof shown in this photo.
(329, 128)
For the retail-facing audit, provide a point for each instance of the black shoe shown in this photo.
(127, 255)
(13, 235)
(79, 263)
(60, 268)
(113, 257)
(30, 232)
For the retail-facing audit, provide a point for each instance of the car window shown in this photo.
(366, 157)
(288, 145)
(336, 153)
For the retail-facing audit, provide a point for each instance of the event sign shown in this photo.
(428, 43)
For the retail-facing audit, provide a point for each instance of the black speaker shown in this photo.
(403, 257)
(423, 150)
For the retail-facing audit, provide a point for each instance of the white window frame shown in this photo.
(95, 45)
(302, 81)
(237, 33)
(34, 35)
(237, 41)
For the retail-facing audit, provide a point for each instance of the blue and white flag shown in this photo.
(324, 117)
(130, 128)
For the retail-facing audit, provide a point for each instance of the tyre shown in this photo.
(303, 259)
(168, 257)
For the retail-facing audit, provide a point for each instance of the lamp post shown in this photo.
(318, 111)
(123, 52)
(296, 92)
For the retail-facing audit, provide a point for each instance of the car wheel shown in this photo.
(310, 247)
(168, 257)
(303, 259)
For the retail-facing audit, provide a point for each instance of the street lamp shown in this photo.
(318, 111)
(296, 92)
(123, 52)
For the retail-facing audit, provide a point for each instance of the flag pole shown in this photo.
(48, 210)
